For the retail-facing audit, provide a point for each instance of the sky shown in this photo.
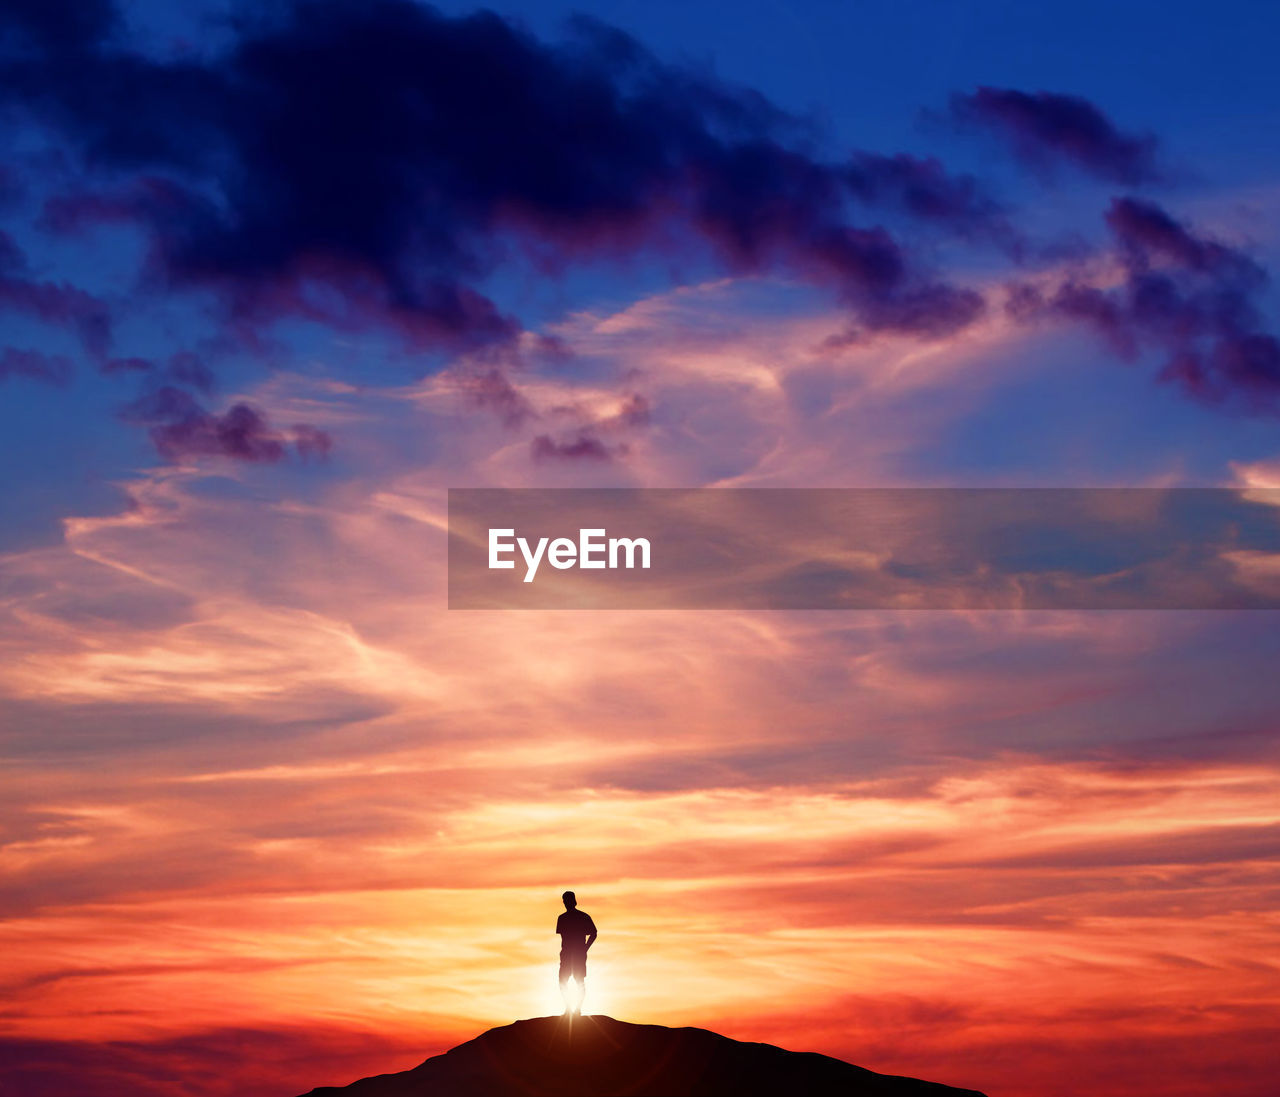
(274, 279)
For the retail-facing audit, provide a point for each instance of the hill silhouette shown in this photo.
(596, 1056)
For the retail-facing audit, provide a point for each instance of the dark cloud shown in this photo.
(74, 212)
(635, 411)
(494, 391)
(12, 188)
(935, 310)
(371, 163)
(925, 189)
(1148, 234)
(588, 440)
(66, 25)
(57, 303)
(12, 258)
(132, 364)
(54, 368)
(187, 368)
(1044, 126)
(181, 427)
(182, 368)
(1192, 298)
(583, 446)
(310, 441)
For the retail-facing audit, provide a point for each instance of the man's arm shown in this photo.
(591, 936)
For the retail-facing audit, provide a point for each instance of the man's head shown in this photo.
(570, 900)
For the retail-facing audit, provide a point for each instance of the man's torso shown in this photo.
(574, 927)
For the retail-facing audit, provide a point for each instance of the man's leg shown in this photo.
(572, 998)
(580, 972)
(566, 973)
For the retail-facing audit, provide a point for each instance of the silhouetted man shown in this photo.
(577, 934)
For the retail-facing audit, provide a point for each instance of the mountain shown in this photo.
(596, 1056)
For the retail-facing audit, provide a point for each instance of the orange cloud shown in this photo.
(263, 781)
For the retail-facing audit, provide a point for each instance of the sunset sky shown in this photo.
(273, 279)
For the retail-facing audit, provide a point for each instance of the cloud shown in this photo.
(245, 731)
(925, 189)
(937, 310)
(447, 142)
(64, 25)
(445, 157)
(56, 303)
(182, 368)
(60, 304)
(587, 441)
(494, 391)
(181, 427)
(248, 1062)
(54, 368)
(582, 446)
(277, 779)
(1191, 298)
(1044, 126)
